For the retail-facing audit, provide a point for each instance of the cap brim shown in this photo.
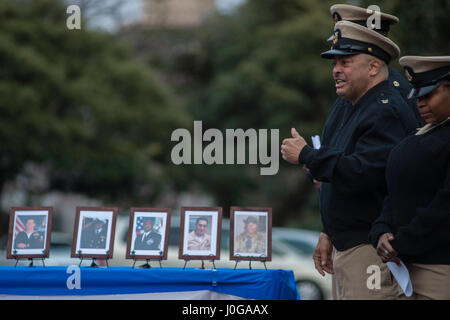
(331, 38)
(421, 91)
(334, 52)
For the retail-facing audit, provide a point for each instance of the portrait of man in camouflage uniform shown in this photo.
(251, 240)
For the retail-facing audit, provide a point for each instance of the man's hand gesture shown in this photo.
(291, 147)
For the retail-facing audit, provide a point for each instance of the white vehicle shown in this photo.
(304, 243)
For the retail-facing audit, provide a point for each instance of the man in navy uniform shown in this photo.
(94, 236)
(361, 16)
(30, 238)
(149, 239)
(351, 164)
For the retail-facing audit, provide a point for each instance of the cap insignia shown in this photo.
(396, 84)
(408, 76)
(336, 37)
(335, 17)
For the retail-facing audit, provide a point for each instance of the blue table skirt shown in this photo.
(53, 281)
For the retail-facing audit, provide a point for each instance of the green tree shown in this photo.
(423, 25)
(79, 102)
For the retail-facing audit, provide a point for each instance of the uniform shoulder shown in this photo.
(391, 99)
(443, 131)
(436, 138)
(390, 104)
(397, 79)
(398, 82)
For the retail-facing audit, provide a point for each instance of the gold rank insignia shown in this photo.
(336, 37)
(408, 76)
(396, 84)
(369, 49)
(335, 18)
(384, 101)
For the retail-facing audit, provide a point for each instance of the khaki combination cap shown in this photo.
(361, 16)
(351, 38)
(251, 219)
(425, 73)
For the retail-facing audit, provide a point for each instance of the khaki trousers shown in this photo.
(360, 274)
(430, 281)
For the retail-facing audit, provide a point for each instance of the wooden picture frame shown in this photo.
(33, 244)
(155, 244)
(86, 243)
(192, 218)
(251, 233)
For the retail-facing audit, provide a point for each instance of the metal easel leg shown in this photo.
(93, 264)
(146, 265)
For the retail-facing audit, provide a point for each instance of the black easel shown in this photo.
(214, 265)
(146, 265)
(185, 263)
(250, 263)
(93, 263)
(81, 258)
(202, 267)
(31, 260)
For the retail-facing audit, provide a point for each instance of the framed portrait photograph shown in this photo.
(29, 232)
(148, 233)
(250, 233)
(200, 232)
(93, 235)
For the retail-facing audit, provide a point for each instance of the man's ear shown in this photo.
(375, 66)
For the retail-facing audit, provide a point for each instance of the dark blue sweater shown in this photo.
(417, 208)
(351, 162)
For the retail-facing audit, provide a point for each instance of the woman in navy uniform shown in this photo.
(415, 222)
